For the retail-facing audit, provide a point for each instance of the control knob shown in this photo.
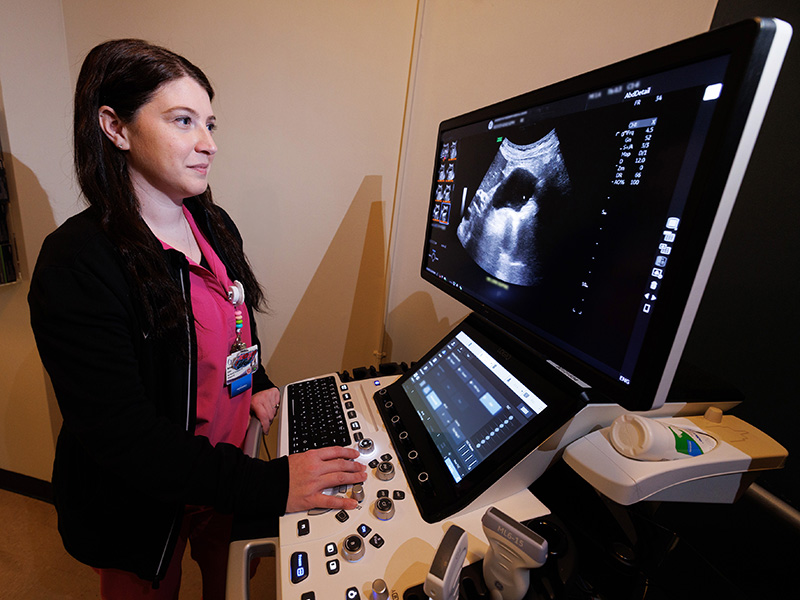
(384, 509)
(357, 492)
(379, 590)
(385, 471)
(366, 446)
(353, 548)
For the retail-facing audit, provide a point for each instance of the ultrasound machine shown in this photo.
(579, 223)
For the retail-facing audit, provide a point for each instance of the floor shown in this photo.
(34, 565)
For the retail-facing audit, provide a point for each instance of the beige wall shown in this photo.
(310, 97)
(34, 128)
(312, 105)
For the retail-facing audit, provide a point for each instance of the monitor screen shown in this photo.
(583, 218)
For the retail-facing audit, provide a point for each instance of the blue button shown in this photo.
(298, 566)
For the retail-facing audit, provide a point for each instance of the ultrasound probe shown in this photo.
(441, 582)
(513, 551)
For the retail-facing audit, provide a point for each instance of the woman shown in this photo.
(136, 304)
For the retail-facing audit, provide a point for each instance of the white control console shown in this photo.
(384, 547)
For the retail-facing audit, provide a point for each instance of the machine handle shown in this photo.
(241, 553)
(237, 586)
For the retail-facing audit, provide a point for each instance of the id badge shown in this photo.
(239, 369)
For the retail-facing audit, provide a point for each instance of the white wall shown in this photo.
(312, 106)
(471, 54)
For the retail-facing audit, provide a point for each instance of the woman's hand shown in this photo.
(264, 405)
(315, 470)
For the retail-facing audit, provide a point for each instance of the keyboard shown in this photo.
(316, 417)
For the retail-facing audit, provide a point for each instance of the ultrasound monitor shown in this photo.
(584, 218)
(579, 223)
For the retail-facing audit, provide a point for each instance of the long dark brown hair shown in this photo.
(125, 75)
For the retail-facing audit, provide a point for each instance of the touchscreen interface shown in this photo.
(469, 403)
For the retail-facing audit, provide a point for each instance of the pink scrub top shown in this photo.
(220, 418)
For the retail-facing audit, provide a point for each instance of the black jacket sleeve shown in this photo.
(116, 390)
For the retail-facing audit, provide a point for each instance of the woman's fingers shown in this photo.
(312, 472)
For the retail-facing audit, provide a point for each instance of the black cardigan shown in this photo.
(127, 459)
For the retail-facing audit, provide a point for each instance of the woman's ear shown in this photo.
(113, 127)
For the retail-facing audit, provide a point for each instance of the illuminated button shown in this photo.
(376, 541)
(346, 396)
(331, 549)
(352, 594)
(343, 387)
(363, 530)
(308, 596)
(355, 425)
(332, 566)
(298, 565)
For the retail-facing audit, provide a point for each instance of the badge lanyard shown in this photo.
(242, 360)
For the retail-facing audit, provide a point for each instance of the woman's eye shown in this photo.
(212, 127)
(184, 121)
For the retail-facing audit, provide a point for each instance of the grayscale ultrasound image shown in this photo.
(499, 230)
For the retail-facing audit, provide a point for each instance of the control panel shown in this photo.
(383, 547)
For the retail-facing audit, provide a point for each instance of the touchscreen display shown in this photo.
(469, 403)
